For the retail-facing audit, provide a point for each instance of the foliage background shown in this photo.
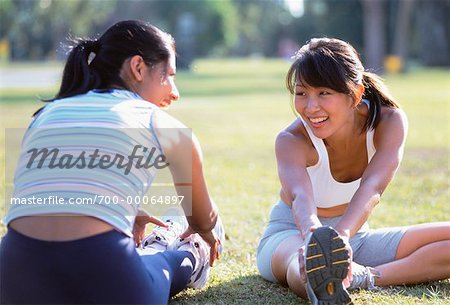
(417, 31)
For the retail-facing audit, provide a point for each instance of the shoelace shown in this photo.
(363, 277)
(167, 234)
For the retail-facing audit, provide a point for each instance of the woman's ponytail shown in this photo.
(97, 63)
(377, 94)
(78, 77)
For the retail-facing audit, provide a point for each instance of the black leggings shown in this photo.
(102, 269)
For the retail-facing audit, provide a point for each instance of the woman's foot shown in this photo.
(326, 266)
(195, 245)
(162, 239)
(363, 277)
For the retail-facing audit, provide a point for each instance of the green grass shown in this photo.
(236, 108)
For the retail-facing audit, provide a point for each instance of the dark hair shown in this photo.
(335, 64)
(120, 42)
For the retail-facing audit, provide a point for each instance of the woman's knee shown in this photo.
(442, 252)
(294, 279)
(263, 263)
(284, 255)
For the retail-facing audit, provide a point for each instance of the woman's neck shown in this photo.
(344, 138)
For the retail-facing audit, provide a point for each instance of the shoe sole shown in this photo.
(326, 265)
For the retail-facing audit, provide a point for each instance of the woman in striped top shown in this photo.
(87, 163)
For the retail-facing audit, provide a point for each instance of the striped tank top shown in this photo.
(91, 155)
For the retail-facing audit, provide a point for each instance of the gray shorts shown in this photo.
(371, 247)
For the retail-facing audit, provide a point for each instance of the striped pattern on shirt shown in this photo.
(89, 142)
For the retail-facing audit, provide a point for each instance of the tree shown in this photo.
(402, 33)
(200, 27)
(35, 28)
(331, 18)
(374, 34)
(259, 26)
(433, 28)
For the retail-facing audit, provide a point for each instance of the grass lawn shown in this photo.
(236, 108)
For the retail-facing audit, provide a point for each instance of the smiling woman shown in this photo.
(334, 163)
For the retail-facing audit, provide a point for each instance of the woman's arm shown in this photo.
(204, 213)
(183, 153)
(389, 140)
(292, 156)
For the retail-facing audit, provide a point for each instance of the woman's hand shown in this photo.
(141, 221)
(349, 277)
(211, 239)
(301, 251)
(301, 262)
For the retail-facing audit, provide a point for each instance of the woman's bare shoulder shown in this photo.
(393, 124)
(295, 139)
(392, 118)
(295, 131)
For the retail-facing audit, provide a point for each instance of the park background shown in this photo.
(233, 57)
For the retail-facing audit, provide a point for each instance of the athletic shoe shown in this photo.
(363, 277)
(162, 238)
(200, 250)
(326, 265)
(220, 233)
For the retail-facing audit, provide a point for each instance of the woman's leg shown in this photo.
(278, 251)
(173, 268)
(285, 265)
(102, 269)
(185, 263)
(423, 255)
(326, 266)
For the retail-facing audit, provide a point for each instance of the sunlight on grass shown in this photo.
(236, 108)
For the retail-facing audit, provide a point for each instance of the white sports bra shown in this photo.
(327, 191)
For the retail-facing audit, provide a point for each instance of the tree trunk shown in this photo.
(374, 34)
(402, 30)
(433, 29)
